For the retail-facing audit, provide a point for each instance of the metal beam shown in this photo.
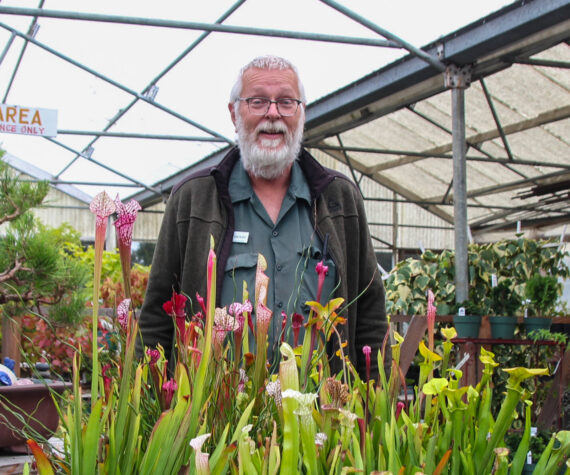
(409, 153)
(117, 84)
(514, 185)
(519, 29)
(544, 62)
(428, 58)
(123, 110)
(396, 187)
(21, 55)
(541, 119)
(106, 167)
(132, 135)
(192, 25)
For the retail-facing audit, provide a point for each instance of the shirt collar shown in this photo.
(240, 187)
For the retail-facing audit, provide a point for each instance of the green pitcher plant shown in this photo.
(221, 410)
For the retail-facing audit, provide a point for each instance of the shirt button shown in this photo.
(275, 233)
(279, 267)
(280, 304)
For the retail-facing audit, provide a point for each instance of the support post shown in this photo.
(395, 230)
(458, 79)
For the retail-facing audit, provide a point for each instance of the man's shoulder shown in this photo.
(193, 180)
(209, 175)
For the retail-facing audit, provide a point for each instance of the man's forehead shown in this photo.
(260, 78)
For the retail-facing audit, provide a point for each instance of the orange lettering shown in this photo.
(1, 116)
(23, 118)
(11, 114)
(36, 119)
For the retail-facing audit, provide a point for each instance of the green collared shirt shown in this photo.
(290, 246)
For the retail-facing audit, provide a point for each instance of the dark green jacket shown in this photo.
(200, 207)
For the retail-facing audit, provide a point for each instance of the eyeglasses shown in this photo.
(260, 105)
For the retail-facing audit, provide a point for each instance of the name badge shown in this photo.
(241, 237)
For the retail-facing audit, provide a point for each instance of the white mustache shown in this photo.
(271, 127)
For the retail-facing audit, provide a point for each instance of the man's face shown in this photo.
(268, 143)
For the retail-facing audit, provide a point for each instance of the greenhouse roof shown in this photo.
(137, 90)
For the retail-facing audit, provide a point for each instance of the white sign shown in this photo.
(28, 120)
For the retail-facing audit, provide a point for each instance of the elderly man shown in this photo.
(269, 196)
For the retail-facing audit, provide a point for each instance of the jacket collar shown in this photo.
(317, 176)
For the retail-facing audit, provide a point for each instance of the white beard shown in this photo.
(267, 161)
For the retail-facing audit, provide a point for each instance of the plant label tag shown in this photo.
(461, 311)
(493, 280)
(241, 237)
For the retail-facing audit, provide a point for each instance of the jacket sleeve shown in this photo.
(372, 324)
(156, 326)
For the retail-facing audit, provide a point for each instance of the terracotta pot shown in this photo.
(34, 403)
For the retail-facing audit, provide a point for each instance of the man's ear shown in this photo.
(232, 110)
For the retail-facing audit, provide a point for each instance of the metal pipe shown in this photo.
(21, 55)
(106, 167)
(7, 47)
(159, 76)
(428, 58)
(472, 158)
(116, 83)
(460, 194)
(192, 25)
(440, 204)
(132, 135)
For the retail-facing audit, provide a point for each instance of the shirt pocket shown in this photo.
(239, 268)
(310, 257)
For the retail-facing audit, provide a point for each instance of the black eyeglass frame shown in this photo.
(277, 102)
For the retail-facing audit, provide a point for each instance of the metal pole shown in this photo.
(192, 25)
(459, 194)
(428, 58)
(395, 225)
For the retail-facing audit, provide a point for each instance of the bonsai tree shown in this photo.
(543, 292)
(504, 299)
(35, 270)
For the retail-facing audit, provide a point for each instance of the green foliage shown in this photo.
(544, 334)
(34, 267)
(16, 196)
(504, 299)
(543, 292)
(112, 289)
(517, 259)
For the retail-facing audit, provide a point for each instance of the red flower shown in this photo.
(176, 308)
(296, 323)
(168, 389)
(283, 324)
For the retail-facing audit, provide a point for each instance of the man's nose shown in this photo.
(273, 112)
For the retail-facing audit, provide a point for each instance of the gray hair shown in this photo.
(266, 62)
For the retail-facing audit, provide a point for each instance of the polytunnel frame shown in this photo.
(457, 72)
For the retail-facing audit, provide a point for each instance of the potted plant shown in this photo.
(504, 304)
(542, 292)
(467, 318)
